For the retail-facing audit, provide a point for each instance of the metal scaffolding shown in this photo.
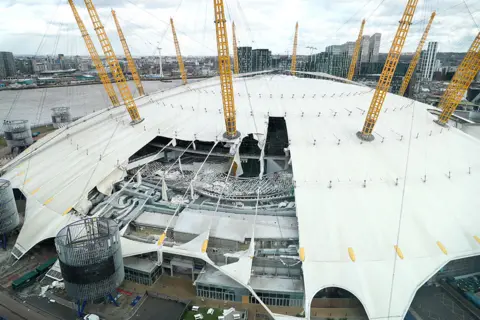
(90, 256)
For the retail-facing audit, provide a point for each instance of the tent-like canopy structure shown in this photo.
(375, 218)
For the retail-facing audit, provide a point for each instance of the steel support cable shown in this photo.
(164, 174)
(438, 11)
(108, 143)
(168, 26)
(250, 104)
(132, 177)
(349, 19)
(471, 15)
(40, 106)
(220, 194)
(130, 180)
(191, 186)
(245, 20)
(173, 16)
(98, 163)
(256, 214)
(407, 161)
(205, 22)
(57, 39)
(40, 45)
(42, 41)
(381, 2)
(56, 134)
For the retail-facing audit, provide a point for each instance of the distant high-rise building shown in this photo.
(428, 61)
(7, 64)
(347, 47)
(3, 72)
(374, 47)
(331, 63)
(334, 49)
(364, 46)
(245, 59)
(261, 59)
(24, 66)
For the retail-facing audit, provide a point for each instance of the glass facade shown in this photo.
(279, 299)
(217, 293)
(142, 277)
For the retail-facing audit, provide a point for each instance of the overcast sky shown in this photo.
(48, 26)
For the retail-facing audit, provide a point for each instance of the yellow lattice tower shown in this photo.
(416, 57)
(181, 66)
(224, 68)
(385, 80)
(462, 79)
(131, 63)
(236, 68)
(113, 63)
(353, 64)
(293, 67)
(102, 73)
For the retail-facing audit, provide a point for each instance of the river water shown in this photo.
(35, 104)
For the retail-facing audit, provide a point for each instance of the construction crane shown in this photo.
(353, 64)
(416, 57)
(461, 81)
(113, 63)
(181, 66)
(224, 68)
(385, 80)
(293, 67)
(131, 64)
(102, 73)
(236, 68)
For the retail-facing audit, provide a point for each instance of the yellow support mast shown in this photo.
(102, 73)
(416, 57)
(131, 63)
(113, 63)
(225, 70)
(236, 68)
(461, 81)
(385, 80)
(353, 64)
(293, 67)
(181, 66)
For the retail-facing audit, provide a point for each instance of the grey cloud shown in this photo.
(261, 23)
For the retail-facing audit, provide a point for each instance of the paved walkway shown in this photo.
(12, 309)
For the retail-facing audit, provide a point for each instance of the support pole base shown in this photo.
(229, 137)
(365, 137)
(440, 123)
(135, 122)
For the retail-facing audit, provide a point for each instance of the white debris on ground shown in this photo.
(43, 290)
(178, 199)
(58, 285)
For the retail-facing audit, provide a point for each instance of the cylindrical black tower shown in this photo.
(90, 256)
